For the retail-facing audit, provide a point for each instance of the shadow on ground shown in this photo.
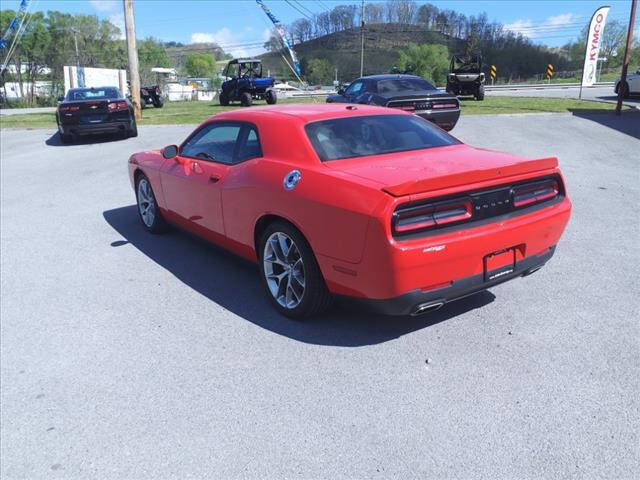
(55, 140)
(235, 285)
(628, 122)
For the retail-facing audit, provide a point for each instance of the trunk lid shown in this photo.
(421, 171)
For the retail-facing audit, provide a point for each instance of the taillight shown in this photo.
(68, 108)
(444, 105)
(432, 215)
(530, 193)
(113, 106)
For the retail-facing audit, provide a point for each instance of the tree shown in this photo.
(199, 65)
(151, 53)
(319, 71)
(428, 61)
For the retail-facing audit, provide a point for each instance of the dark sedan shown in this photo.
(406, 92)
(85, 111)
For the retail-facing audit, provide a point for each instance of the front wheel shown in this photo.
(271, 97)
(480, 93)
(150, 215)
(245, 99)
(158, 102)
(224, 99)
(290, 273)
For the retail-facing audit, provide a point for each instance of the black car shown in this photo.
(85, 111)
(407, 92)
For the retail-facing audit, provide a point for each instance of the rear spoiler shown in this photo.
(472, 176)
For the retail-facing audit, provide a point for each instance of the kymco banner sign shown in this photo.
(594, 40)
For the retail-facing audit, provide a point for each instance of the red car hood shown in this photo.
(419, 171)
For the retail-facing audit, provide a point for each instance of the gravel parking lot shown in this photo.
(126, 355)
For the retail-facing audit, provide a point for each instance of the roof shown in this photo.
(245, 60)
(307, 112)
(92, 88)
(391, 76)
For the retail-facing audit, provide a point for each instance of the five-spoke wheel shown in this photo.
(148, 207)
(290, 272)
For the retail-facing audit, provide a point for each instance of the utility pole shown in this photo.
(362, 40)
(75, 41)
(134, 74)
(627, 54)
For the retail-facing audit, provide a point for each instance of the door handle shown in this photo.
(213, 178)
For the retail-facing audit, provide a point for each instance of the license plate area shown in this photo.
(500, 263)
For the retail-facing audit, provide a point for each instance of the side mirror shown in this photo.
(170, 152)
(341, 91)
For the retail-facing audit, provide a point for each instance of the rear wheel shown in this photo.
(150, 215)
(133, 131)
(271, 97)
(624, 89)
(290, 273)
(480, 93)
(158, 102)
(245, 99)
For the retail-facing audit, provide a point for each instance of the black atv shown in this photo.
(151, 95)
(466, 77)
(246, 83)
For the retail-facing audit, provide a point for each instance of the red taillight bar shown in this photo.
(533, 193)
(113, 106)
(433, 215)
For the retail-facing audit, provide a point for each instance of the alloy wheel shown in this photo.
(284, 270)
(146, 202)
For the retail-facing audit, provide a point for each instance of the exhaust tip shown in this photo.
(532, 270)
(424, 308)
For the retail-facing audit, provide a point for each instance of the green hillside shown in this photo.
(342, 49)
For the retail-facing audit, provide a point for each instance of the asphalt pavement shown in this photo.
(128, 355)
(598, 93)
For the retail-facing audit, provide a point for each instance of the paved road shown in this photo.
(600, 94)
(125, 355)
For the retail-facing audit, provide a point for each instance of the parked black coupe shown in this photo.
(86, 111)
(407, 92)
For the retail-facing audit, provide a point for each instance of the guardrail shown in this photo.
(543, 86)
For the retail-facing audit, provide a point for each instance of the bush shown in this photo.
(429, 61)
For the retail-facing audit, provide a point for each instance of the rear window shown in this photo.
(374, 135)
(94, 94)
(403, 84)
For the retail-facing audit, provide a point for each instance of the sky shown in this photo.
(240, 26)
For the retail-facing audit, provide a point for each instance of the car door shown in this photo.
(192, 182)
(353, 91)
(634, 85)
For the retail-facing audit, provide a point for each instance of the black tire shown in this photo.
(624, 88)
(158, 103)
(224, 99)
(245, 99)
(133, 131)
(316, 298)
(480, 93)
(159, 224)
(66, 138)
(271, 97)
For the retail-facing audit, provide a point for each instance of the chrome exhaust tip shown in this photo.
(424, 308)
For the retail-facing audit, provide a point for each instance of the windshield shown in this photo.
(465, 64)
(374, 135)
(403, 84)
(93, 94)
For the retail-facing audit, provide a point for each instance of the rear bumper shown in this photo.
(417, 301)
(445, 119)
(94, 128)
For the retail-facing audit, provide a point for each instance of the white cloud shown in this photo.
(118, 20)
(105, 5)
(232, 43)
(552, 25)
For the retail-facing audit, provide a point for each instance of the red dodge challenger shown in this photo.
(374, 204)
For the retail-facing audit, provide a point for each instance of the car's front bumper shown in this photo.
(419, 302)
(94, 128)
(445, 119)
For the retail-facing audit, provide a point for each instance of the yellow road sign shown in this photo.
(549, 71)
(494, 71)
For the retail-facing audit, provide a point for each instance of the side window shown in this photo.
(354, 88)
(250, 147)
(214, 142)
